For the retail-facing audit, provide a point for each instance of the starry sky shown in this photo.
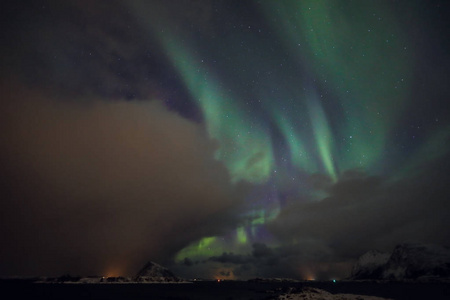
(223, 139)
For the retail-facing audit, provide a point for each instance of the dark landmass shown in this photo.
(28, 289)
(154, 281)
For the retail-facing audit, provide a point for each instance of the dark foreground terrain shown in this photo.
(213, 290)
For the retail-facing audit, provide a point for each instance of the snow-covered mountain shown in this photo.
(407, 261)
(370, 265)
(413, 261)
(152, 272)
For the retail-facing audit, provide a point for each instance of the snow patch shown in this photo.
(318, 294)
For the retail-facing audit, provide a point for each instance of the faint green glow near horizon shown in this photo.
(204, 247)
(241, 235)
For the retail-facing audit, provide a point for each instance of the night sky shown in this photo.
(223, 139)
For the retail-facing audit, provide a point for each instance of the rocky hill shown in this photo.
(153, 272)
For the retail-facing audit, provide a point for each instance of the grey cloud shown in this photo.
(232, 258)
(261, 250)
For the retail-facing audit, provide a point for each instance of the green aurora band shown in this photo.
(358, 54)
(244, 147)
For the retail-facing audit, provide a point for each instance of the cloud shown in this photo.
(261, 254)
(231, 258)
(261, 250)
(89, 186)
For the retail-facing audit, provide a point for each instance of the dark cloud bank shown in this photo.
(94, 185)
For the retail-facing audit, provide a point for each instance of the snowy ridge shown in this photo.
(407, 262)
(318, 294)
(412, 261)
(370, 264)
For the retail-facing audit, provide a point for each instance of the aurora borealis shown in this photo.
(228, 139)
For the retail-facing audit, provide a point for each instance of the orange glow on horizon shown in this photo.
(307, 272)
(112, 272)
(224, 274)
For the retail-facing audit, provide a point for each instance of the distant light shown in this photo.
(218, 280)
(334, 280)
